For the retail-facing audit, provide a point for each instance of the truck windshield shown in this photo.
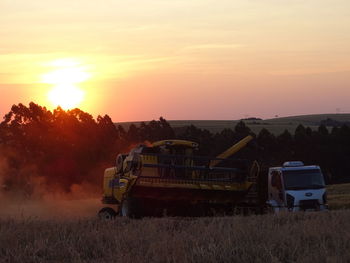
(303, 179)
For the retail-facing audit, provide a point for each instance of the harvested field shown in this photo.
(339, 196)
(299, 237)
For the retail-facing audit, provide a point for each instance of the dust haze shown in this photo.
(82, 200)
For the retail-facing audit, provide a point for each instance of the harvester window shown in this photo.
(133, 167)
(119, 163)
(128, 166)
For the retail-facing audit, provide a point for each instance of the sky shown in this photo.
(193, 59)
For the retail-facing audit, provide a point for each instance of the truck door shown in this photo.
(276, 189)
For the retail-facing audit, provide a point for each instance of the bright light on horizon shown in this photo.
(65, 78)
(66, 96)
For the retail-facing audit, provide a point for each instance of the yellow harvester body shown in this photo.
(168, 172)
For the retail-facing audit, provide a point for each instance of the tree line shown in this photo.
(58, 149)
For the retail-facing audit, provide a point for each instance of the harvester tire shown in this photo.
(130, 208)
(107, 213)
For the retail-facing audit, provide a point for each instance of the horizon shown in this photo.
(189, 120)
(275, 117)
(181, 60)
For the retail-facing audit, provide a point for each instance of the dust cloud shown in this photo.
(49, 208)
(81, 201)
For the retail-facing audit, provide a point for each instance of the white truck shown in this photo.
(296, 187)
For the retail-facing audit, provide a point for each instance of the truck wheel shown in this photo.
(107, 213)
(130, 208)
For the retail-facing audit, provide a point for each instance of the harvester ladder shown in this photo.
(252, 195)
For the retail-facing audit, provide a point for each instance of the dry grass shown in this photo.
(299, 237)
(339, 196)
(31, 232)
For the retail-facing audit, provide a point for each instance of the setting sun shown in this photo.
(66, 96)
(65, 79)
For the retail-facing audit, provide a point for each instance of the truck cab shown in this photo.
(296, 187)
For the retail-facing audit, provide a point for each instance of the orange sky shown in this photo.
(198, 59)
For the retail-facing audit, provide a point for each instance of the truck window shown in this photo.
(303, 179)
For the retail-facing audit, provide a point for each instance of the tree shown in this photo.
(241, 129)
(322, 130)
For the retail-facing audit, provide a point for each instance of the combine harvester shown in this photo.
(168, 179)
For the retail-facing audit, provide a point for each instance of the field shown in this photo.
(276, 125)
(339, 196)
(41, 234)
(300, 237)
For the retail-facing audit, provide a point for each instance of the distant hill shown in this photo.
(314, 119)
(275, 125)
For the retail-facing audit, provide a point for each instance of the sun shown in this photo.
(66, 96)
(65, 79)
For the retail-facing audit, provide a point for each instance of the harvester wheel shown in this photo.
(107, 213)
(130, 208)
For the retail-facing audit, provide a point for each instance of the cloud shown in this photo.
(213, 46)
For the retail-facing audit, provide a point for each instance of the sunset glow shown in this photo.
(66, 96)
(198, 59)
(65, 79)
